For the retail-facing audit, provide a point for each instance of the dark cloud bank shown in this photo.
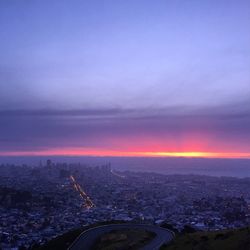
(38, 129)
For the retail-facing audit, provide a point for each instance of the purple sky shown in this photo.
(125, 74)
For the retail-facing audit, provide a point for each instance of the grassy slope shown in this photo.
(134, 239)
(223, 240)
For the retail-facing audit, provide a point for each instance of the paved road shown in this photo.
(86, 239)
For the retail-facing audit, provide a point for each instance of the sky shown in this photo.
(132, 78)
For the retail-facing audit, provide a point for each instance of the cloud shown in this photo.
(130, 129)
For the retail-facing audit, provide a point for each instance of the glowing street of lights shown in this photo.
(86, 199)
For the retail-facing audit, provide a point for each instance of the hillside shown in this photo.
(62, 242)
(226, 240)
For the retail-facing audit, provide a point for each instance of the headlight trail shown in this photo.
(87, 201)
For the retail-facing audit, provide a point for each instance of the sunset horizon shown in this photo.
(124, 124)
(113, 153)
(160, 78)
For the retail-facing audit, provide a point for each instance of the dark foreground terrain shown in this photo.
(124, 239)
(227, 240)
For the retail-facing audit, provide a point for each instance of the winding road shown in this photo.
(86, 239)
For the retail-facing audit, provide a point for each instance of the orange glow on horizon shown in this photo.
(111, 153)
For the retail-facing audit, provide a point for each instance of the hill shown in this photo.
(62, 242)
(227, 240)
